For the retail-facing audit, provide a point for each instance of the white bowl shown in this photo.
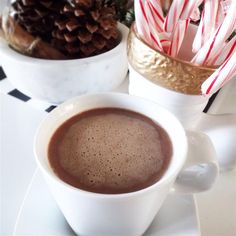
(58, 80)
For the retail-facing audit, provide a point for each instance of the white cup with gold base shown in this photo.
(171, 82)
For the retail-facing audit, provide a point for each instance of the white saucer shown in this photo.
(39, 215)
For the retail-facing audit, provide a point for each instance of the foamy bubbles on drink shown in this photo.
(115, 152)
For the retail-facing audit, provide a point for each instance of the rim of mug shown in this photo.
(164, 179)
(7, 51)
(208, 68)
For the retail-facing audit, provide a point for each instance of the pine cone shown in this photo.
(86, 28)
(37, 17)
(78, 28)
(23, 42)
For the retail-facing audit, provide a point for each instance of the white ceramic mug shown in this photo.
(129, 213)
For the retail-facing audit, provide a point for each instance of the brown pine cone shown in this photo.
(37, 17)
(86, 28)
(25, 43)
(78, 28)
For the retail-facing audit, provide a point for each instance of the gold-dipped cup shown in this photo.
(174, 83)
(172, 73)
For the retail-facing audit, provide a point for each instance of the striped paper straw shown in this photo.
(209, 50)
(220, 77)
(207, 24)
(178, 37)
(173, 15)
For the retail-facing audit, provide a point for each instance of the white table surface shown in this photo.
(216, 208)
(17, 175)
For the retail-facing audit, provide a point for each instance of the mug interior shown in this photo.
(112, 100)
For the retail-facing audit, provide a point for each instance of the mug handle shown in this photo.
(201, 168)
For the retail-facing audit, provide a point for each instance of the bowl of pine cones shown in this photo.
(55, 50)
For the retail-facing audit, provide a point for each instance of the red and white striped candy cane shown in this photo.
(210, 49)
(220, 16)
(196, 15)
(156, 43)
(165, 41)
(179, 14)
(225, 52)
(178, 36)
(173, 15)
(207, 23)
(156, 14)
(222, 75)
(225, 5)
(155, 20)
(200, 35)
(144, 28)
(141, 20)
(189, 7)
(152, 24)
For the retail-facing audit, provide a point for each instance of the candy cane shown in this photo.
(165, 41)
(189, 7)
(145, 30)
(179, 17)
(141, 20)
(152, 24)
(173, 15)
(220, 16)
(207, 24)
(222, 75)
(153, 17)
(157, 13)
(225, 52)
(196, 15)
(156, 20)
(211, 47)
(225, 5)
(178, 37)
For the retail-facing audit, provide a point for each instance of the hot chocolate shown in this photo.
(110, 150)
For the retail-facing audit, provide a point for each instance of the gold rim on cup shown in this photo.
(166, 71)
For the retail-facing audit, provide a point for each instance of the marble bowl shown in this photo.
(55, 81)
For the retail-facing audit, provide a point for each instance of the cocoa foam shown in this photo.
(110, 151)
